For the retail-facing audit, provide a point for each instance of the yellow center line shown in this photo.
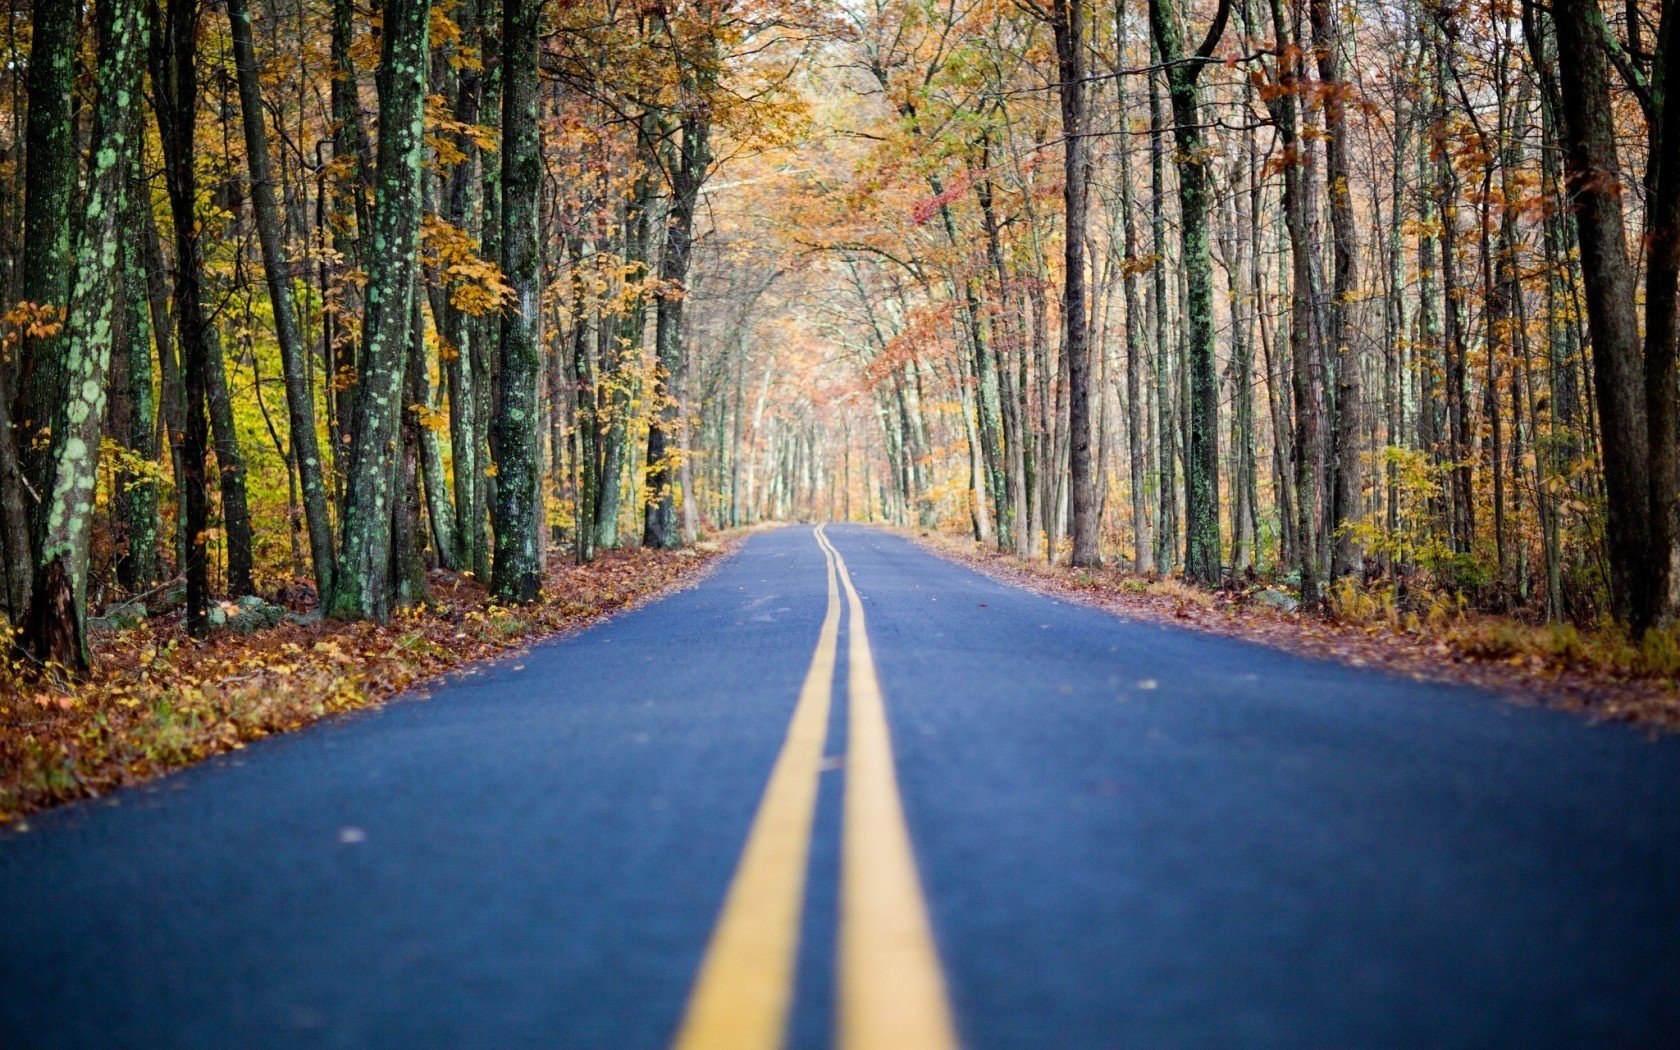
(892, 991)
(742, 994)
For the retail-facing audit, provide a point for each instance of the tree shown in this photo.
(1068, 22)
(51, 176)
(362, 585)
(1593, 165)
(1344, 283)
(685, 174)
(53, 630)
(1201, 478)
(174, 71)
(517, 572)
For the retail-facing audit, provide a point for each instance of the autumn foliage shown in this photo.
(158, 700)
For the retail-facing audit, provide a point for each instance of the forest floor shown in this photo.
(156, 700)
(1597, 672)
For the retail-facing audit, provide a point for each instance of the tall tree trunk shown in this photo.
(1068, 23)
(1202, 560)
(1166, 485)
(175, 80)
(517, 572)
(428, 452)
(408, 565)
(136, 496)
(1594, 177)
(53, 630)
(1662, 323)
(457, 332)
(624, 340)
(230, 467)
(1348, 424)
(486, 331)
(1308, 403)
(660, 527)
(48, 247)
(362, 587)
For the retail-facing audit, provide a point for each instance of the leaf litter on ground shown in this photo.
(156, 700)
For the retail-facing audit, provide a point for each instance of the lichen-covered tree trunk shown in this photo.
(48, 244)
(661, 528)
(1202, 560)
(516, 574)
(408, 568)
(53, 629)
(300, 399)
(362, 586)
(1161, 362)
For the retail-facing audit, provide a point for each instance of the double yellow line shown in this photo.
(892, 992)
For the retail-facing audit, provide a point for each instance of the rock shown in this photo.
(1277, 599)
(308, 619)
(246, 615)
(119, 616)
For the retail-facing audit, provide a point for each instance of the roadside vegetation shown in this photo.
(158, 699)
(1427, 634)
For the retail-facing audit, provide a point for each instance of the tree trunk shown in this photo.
(53, 630)
(1302, 344)
(362, 587)
(1348, 424)
(661, 528)
(517, 573)
(1068, 23)
(175, 79)
(1662, 325)
(136, 498)
(48, 247)
(1593, 170)
(1202, 560)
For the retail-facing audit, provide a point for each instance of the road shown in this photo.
(994, 818)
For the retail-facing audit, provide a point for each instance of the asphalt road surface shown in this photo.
(845, 793)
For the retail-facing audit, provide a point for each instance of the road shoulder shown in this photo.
(1495, 655)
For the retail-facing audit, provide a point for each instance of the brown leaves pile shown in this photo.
(156, 700)
(1599, 672)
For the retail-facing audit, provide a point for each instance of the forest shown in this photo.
(322, 298)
